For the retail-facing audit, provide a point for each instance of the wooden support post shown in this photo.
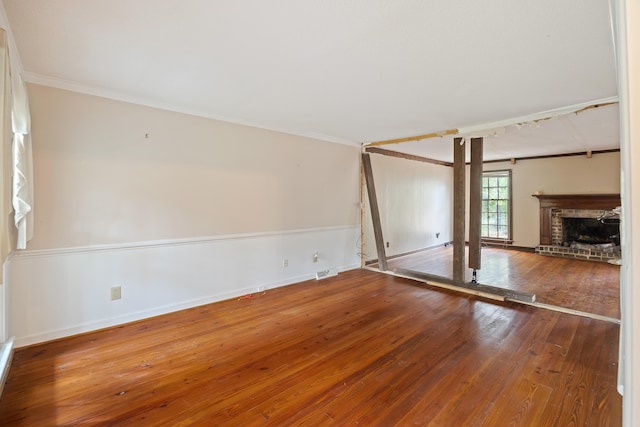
(458, 209)
(375, 213)
(475, 204)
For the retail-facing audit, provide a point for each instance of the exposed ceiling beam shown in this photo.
(487, 129)
(414, 138)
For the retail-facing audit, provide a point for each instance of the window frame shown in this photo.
(498, 173)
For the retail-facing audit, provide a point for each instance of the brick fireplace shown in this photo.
(583, 226)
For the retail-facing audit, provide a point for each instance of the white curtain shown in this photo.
(22, 197)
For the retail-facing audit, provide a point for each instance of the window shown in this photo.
(496, 205)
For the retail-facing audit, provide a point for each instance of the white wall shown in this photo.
(100, 181)
(176, 209)
(415, 200)
(61, 292)
(599, 174)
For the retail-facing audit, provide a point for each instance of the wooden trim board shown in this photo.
(488, 291)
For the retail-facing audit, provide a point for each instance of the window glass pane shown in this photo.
(495, 217)
(503, 233)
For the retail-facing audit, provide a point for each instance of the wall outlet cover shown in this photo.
(116, 293)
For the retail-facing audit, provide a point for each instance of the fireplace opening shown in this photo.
(591, 231)
(569, 220)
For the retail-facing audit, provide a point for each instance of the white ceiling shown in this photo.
(351, 71)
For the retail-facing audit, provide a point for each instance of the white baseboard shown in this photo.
(6, 354)
(63, 292)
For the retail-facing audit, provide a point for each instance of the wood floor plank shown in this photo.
(400, 366)
(488, 384)
(524, 405)
(588, 286)
(574, 393)
(362, 348)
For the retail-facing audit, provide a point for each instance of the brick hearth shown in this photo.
(586, 254)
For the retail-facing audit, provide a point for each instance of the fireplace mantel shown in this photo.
(570, 201)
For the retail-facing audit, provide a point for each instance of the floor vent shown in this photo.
(326, 273)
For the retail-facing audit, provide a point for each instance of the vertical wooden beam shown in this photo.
(458, 209)
(375, 213)
(363, 185)
(475, 203)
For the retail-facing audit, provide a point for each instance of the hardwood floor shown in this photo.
(362, 348)
(591, 287)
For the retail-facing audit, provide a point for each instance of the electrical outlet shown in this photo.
(285, 263)
(116, 293)
(387, 244)
(315, 257)
(437, 235)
